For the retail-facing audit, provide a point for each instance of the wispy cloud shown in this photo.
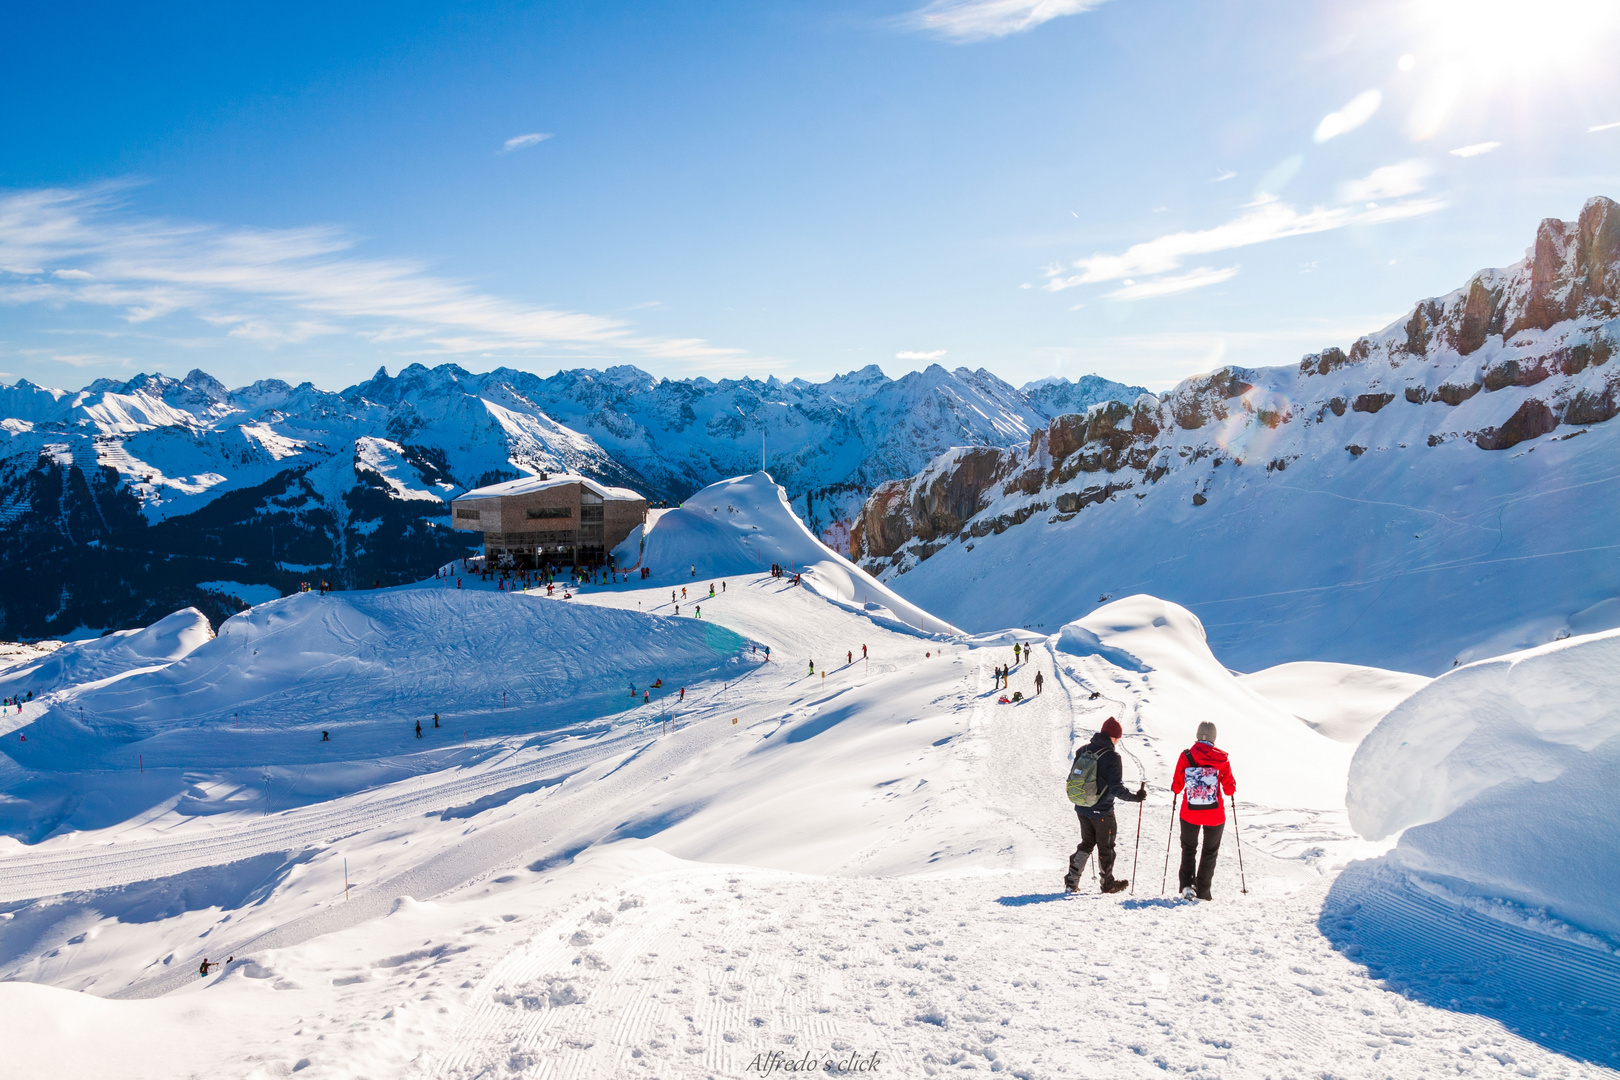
(1475, 149)
(936, 354)
(1267, 221)
(1595, 128)
(1357, 111)
(1223, 174)
(518, 142)
(1172, 283)
(279, 285)
(1389, 182)
(981, 20)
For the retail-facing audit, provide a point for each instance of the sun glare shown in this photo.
(1512, 38)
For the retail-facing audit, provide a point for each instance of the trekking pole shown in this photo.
(1168, 839)
(1136, 855)
(1237, 834)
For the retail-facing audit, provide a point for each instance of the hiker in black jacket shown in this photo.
(1097, 826)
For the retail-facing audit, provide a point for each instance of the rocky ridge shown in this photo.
(1513, 356)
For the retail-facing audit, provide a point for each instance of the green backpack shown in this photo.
(1083, 787)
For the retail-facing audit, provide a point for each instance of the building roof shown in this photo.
(526, 485)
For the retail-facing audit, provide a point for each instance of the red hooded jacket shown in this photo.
(1199, 771)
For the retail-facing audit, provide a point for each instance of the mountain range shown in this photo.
(123, 501)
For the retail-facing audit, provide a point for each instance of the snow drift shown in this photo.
(358, 663)
(1277, 759)
(1501, 773)
(745, 524)
(1342, 701)
(169, 639)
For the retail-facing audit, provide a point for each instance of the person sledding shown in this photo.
(1095, 781)
(1202, 774)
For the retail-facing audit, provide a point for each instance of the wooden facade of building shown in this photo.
(560, 518)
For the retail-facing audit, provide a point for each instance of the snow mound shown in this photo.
(1501, 775)
(352, 659)
(745, 524)
(1277, 760)
(1342, 701)
(165, 641)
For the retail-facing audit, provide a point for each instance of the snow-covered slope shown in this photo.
(756, 859)
(180, 482)
(1277, 759)
(744, 525)
(165, 641)
(1446, 489)
(1342, 701)
(1501, 775)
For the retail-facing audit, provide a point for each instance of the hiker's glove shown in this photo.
(1141, 792)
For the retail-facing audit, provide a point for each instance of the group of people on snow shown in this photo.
(1202, 775)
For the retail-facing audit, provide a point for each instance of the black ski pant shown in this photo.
(1096, 833)
(1201, 878)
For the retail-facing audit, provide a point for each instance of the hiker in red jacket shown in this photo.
(1202, 774)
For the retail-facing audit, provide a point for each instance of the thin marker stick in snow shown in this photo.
(1237, 834)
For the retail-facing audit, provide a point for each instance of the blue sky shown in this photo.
(1137, 188)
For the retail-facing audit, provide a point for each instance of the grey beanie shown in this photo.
(1206, 732)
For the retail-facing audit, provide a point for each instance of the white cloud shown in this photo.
(1389, 182)
(282, 284)
(518, 142)
(1173, 283)
(1602, 127)
(1223, 174)
(980, 20)
(909, 355)
(1475, 149)
(1357, 111)
(71, 275)
(1270, 220)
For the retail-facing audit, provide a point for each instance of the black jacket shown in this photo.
(1110, 779)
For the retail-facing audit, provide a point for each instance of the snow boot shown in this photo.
(1188, 893)
(1117, 885)
(1203, 894)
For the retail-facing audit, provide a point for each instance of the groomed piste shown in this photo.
(852, 850)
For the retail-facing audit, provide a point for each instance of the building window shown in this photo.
(465, 514)
(549, 512)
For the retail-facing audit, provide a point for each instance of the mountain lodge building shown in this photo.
(560, 518)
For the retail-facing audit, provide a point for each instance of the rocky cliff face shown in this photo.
(1513, 356)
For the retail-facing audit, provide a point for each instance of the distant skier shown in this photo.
(683, 693)
(1017, 651)
(849, 657)
(863, 652)
(1038, 681)
(326, 736)
(435, 719)
(203, 970)
(699, 610)
(767, 654)
(722, 586)
(1202, 774)
(1097, 825)
(812, 667)
(419, 729)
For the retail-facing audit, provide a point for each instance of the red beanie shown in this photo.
(1112, 729)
